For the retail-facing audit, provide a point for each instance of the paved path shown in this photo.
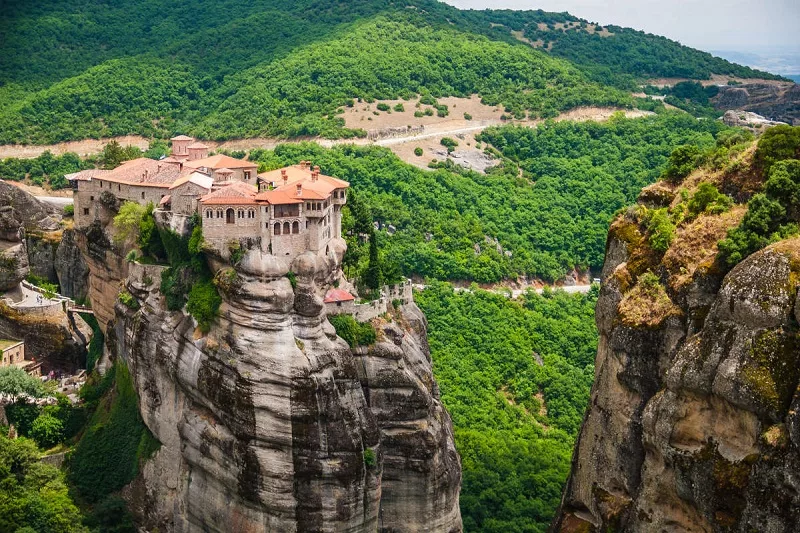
(58, 201)
(32, 299)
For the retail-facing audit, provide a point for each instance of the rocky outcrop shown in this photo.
(70, 268)
(776, 101)
(18, 209)
(694, 420)
(747, 119)
(272, 423)
(13, 264)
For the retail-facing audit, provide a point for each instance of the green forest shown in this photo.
(515, 377)
(84, 69)
(552, 218)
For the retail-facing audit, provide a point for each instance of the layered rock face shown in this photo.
(776, 101)
(272, 423)
(694, 423)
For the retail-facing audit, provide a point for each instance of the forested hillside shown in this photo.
(515, 377)
(74, 70)
(551, 218)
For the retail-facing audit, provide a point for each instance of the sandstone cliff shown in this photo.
(694, 416)
(270, 422)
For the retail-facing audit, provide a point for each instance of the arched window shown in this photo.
(209, 213)
(277, 228)
(219, 213)
(286, 228)
(142, 195)
(295, 227)
(251, 213)
(229, 216)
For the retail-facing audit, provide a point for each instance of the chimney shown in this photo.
(284, 176)
(315, 175)
(299, 189)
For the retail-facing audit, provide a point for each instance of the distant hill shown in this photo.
(73, 69)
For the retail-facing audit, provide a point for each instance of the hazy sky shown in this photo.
(706, 24)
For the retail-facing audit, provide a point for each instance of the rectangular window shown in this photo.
(86, 211)
(247, 174)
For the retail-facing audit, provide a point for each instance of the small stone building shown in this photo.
(13, 352)
(339, 301)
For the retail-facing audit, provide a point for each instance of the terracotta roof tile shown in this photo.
(220, 161)
(182, 138)
(237, 193)
(338, 295)
(143, 172)
(197, 145)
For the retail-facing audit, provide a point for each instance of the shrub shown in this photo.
(128, 300)
(203, 304)
(660, 230)
(370, 459)
(776, 144)
(428, 112)
(441, 110)
(427, 99)
(708, 199)
(682, 161)
(467, 116)
(383, 107)
(69, 210)
(399, 108)
(355, 333)
(236, 252)
(292, 279)
(47, 430)
(419, 114)
(449, 143)
(418, 151)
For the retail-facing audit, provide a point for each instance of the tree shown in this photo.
(127, 223)
(47, 430)
(681, 162)
(33, 495)
(373, 277)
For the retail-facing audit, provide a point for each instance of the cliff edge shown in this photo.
(270, 422)
(693, 422)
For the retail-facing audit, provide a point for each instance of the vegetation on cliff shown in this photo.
(515, 377)
(109, 453)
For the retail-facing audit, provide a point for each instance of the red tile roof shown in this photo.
(237, 193)
(197, 145)
(220, 161)
(338, 295)
(182, 138)
(143, 172)
(296, 173)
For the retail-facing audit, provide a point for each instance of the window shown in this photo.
(142, 195)
(119, 187)
(247, 174)
(85, 210)
(251, 213)
(277, 228)
(295, 227)
(286, 228)
(219, 213)
(229, 216)
(91, 198)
